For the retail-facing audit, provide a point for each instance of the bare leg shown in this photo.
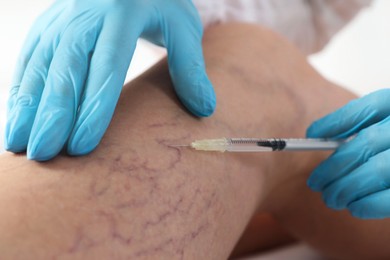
(336, 234)
(262, 233)
(136, 197)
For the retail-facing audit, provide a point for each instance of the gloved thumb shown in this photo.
(353, 117)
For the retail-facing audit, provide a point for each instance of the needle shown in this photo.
(179, 145)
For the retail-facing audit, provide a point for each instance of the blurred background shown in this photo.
(358, 58)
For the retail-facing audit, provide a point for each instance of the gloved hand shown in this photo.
(74, 63)
(357, 176)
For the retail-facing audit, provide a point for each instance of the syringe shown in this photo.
(264, 144)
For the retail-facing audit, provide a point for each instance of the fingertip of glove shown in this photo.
(38, 155)
(76, 150)
(197, 94)
(205, 108)
(38, 150)
(313, 184)
(78, 146)
(14, 148)
(312, 131)
(13, 142)
(202, 108)
(361, 211)
(310, 184)
(357, 213)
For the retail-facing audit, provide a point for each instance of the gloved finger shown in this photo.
(107, 73)
(16, 141)
(41, 24)
(371, 177)
(65, 82)
(373, 206)
(27, 51)
(353, 117)
(186, 64)
(21, 117)
(351, 155)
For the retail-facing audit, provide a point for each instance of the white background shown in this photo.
(358, 57)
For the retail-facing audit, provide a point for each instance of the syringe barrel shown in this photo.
(312, 144)
(246, 145)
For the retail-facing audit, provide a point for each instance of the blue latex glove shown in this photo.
(74, 63)
(357, 176)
